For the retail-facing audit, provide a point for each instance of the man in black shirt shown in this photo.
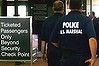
(53, 53)
(77, 37)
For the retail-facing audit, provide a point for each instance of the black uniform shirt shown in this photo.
(48, 26)
(96, 25)
(73, 32)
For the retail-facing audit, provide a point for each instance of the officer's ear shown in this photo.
(53, 8)
(81, 8)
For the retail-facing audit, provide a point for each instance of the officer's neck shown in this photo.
(76, 10)
(80, 9)
(58, 12)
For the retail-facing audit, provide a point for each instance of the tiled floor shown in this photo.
(39, 62)
(97, 62)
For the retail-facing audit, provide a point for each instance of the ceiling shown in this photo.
(88, 1)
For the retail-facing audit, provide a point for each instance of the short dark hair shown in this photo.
(93, 12)
(75, 4)
(58, 5)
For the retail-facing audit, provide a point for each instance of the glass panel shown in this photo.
(10, 10)
(67, 7)
(9, 0)
(35, 41)
(22, 10)
(95, 7)
(96, 10)
(88, 10)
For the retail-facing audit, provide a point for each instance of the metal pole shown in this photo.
(90, 6)
(64, 1)
(16, 8)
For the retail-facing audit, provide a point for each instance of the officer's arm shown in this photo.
(43, 47)
(93, 47)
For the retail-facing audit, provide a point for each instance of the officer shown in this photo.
(76, 36)
(48, 25)
(92, 15)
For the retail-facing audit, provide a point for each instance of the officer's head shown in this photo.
(58, 6)
(92, 14)
(75, 4)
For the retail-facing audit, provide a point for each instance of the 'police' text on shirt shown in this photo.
(70, 28)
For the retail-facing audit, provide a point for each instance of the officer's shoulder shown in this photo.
(47, 18)
(86, 17)
(97, 19)
(63, 17)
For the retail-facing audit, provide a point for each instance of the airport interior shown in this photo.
(32, 13)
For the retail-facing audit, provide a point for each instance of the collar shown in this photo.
(74, 11)
(58, 13)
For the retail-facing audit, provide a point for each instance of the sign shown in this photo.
(15, 38)
(40, 11)
(39, 15)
